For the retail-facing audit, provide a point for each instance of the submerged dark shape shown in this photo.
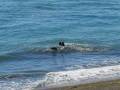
(54, 48)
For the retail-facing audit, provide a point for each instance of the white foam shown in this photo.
(16, 85)
(81, 76)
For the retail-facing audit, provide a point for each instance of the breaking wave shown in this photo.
(81, 76)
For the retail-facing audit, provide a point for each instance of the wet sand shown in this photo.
(106, 85)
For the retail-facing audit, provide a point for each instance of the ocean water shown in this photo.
(28, 29)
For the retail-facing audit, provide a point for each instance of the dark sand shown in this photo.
(106, 85)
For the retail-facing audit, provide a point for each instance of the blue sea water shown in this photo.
(27, 27)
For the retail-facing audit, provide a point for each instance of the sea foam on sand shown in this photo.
(82, 76)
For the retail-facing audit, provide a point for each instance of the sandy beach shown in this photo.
(106, 85)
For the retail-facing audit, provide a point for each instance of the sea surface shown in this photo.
(29, 28)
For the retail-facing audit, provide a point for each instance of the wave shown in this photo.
(69, 48)
(81, 76)
(29, 52)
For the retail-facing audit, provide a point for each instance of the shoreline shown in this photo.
(103, 85)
